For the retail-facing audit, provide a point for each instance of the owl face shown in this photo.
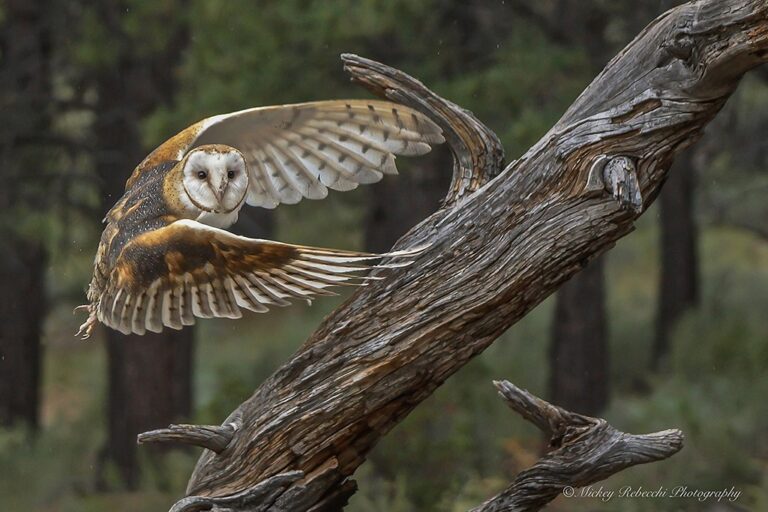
(215, 178)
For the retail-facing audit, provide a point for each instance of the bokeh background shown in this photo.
(668, 329)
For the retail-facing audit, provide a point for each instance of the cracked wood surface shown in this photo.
(503, 242)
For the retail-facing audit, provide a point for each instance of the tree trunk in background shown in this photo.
(396, 204)
(678, 286)
(255, 223)
(578, 353)
(150, 376)
(25, 86)
(578, 350)
(22, 309)
(149, 387)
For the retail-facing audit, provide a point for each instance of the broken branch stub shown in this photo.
(213, 437)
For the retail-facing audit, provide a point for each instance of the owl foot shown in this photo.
(87, 328)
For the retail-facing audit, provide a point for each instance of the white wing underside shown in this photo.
(300, 151)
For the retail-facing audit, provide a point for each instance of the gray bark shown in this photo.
(500, 245)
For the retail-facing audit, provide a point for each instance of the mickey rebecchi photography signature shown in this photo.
(680, 491)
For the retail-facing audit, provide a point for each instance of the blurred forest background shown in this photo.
(668, 329)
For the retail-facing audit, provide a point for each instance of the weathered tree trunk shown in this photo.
(25, 87)
(150, 377)
(500, 245)
(578, 353)
(679, 280)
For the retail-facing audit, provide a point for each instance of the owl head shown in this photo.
(215, 178)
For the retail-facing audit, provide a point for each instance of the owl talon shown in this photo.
(85, 330)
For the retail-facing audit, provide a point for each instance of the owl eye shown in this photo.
(230, 174)
(202, 175)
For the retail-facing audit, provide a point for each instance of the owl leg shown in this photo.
(87, 328)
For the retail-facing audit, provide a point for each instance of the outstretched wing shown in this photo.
(171, 275)
(302, 150)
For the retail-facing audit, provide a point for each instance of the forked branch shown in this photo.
(584, 450)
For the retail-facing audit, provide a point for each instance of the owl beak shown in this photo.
(219, 193)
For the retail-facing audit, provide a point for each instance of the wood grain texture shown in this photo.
(505, 240)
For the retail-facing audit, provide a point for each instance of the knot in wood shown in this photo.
(618, 176)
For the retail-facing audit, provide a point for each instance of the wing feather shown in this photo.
(355, 166)
(187, 298)
(248, 297)
(172, 307)
(153, 317)
(201, 306)
(261, 169)
(343, 170)
(138, 316)
(169, 276)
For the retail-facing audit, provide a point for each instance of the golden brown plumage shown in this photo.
(163, 259)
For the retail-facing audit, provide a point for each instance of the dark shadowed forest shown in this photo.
(667, 329)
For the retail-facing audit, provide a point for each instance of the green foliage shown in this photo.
(106, 30)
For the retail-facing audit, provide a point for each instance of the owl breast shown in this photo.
(219, 220)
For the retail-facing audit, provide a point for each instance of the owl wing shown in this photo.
(186, 269)
(297, 151)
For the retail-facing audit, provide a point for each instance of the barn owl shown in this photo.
(165, 256)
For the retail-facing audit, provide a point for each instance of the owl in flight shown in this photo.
(165, 258)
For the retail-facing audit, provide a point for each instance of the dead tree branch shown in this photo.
(503, 242)
(212, 437)
(584, 451)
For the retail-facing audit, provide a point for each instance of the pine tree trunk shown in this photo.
(149, 387)
(678, 286)
(150, 376)
(578, 353)
(25, 86)
(22, 308)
